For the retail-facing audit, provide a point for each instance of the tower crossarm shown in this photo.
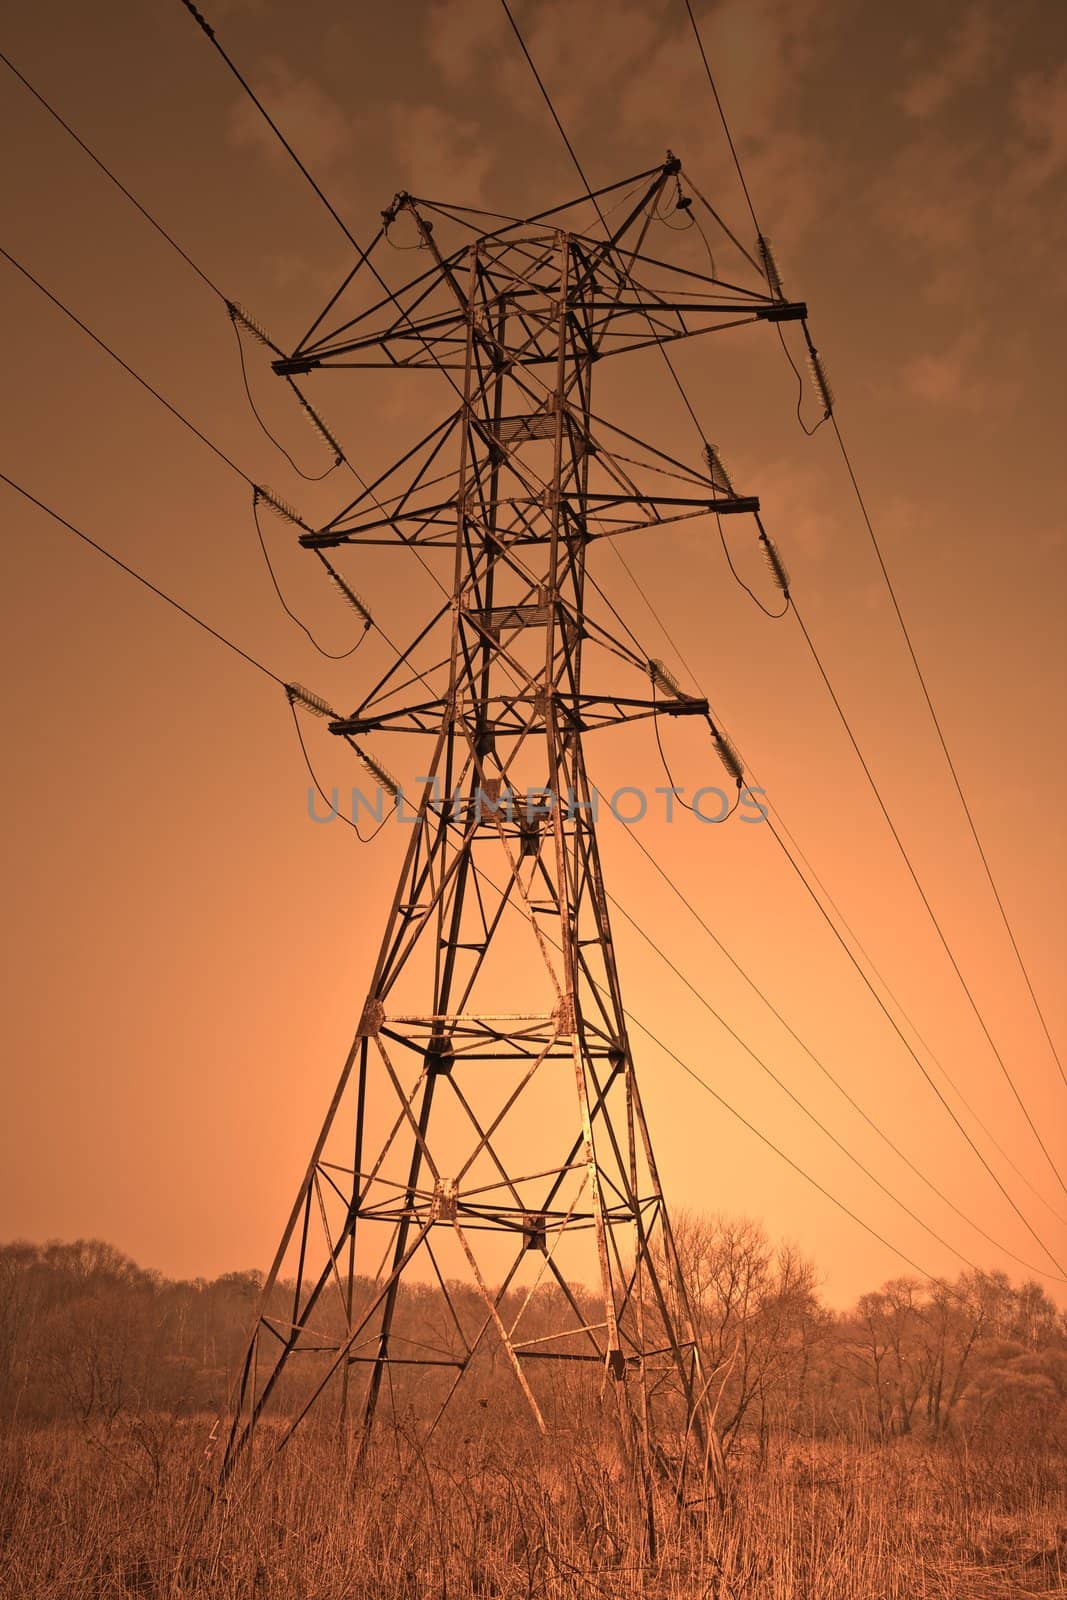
(604, 514)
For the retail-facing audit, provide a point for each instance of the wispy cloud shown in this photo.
(967, 59)
(315, 123)
(438, 154)
(958, 377)
(1040, 104)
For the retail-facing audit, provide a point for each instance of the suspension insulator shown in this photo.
(665, 680)
(311, 702)
(280, 507)
(716, 470)
(245, 318)
(319, 426)
(819, 379)
(770, 267)
(727, 755)
(773, 559)
(377, 771)
(349, 596)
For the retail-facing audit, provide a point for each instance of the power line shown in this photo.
(915, 1057)
(585, 182)
(643, 593)
(861, 502)
(200, 623)
(667, 634)
(265, 114)
(945, 749)
(236, 320)
(842, 919)
(136, 376)
(852, 958)
(363, 253)
(331, 655)
(133, 573)
(548, 102)
(876, 791)
(273, 676)
(309, 477)
(582, 175)
(722, 117)
(737, 1115)
(692, 412)
(313, 775)
(191, 426)
(775, 616)
(169, 238)
(816, 1060)
(811, 1115)
(52, 112)
(311, 180)
(778, 1151)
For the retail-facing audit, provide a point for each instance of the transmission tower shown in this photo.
(487, 1129)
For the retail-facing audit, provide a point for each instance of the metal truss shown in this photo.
(487, 1129)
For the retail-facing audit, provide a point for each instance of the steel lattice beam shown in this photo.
(437, 1131)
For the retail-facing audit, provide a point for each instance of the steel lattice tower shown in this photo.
(487, 1125)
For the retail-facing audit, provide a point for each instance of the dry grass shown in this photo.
(128, 1514)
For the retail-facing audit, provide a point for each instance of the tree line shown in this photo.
(87, 1336)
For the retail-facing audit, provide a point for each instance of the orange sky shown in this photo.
(187, 955)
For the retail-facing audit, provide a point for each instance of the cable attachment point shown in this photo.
(193, 12)
(279, 506)
(399, 200)
(727, 754)
(720, 478)
(818, 375)
(770, 267)
(672, 166)
(311, 702)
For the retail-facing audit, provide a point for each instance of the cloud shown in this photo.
(957, 377)
(969, 55)
(439, 155)
(459, 34)
(313, 122)
(758, 49)
(972, 197)
(627, 81)
(933, 191)
(792, 495)
(1040, 106)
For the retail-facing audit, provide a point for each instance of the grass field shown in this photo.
(129, 1513)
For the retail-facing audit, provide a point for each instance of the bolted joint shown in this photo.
(445, 1204)
(534, 1232)
(370, 1023)
(439, 1055)
(564, 1016)
(529, 836)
